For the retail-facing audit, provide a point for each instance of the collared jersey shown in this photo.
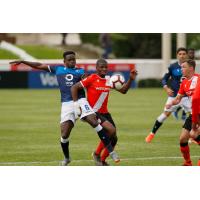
(67, 77)
(97, 92)
(188, 86)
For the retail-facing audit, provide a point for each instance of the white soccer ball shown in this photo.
(117, 81)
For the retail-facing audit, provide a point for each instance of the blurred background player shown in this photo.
(187, 88)
(174, 73)
(98, 88)
(67, 75)
(191, 55)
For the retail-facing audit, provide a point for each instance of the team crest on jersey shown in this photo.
(69, 77)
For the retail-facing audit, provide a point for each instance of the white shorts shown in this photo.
(67, 110)
(185, 103)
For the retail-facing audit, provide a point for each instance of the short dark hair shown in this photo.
(101, 61)
(181, 49)
(191, 62)
(191, 49)
(68, 53)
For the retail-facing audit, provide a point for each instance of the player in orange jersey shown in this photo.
(187, 88)
(98, 87)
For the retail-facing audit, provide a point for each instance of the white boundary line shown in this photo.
(78, 161)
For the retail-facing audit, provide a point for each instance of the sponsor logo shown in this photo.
(48, 79)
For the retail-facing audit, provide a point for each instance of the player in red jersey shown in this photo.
(195, 132)
(98, 87)
(187, 88)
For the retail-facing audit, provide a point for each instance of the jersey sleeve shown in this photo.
(87, 81)
(166, 77)
(52, 69)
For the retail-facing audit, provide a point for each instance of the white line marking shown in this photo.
(78, 161)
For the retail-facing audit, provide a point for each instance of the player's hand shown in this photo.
(77, 110)
(169, 91)
(133, 74)
(16, 62)
(168, 106)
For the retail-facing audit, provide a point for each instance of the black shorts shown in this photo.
(105, 117)
(188, 123)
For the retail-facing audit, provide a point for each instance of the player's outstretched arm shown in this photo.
(127, 85)
(35, 65)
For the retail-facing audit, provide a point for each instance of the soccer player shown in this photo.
(191, 55)
(67, 75)
(174, 73)
(187, 88)
(98, 88)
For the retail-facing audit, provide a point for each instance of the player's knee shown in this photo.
(112, 131)
(92, 120)
(162, 117)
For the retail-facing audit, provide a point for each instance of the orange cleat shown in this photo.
(189, 163)
(198, 163)
(149, 137)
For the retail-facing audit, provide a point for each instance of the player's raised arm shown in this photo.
(127, 85)
(35, 65)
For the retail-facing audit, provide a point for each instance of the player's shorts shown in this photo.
(185, 103)
(105, 117)
(67, 110)
(188, 123)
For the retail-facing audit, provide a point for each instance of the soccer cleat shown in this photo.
(115, 157)
(149, 137)
(198, 163)
(189, 163)
(184, 116)
(97, 159)
(104, 163)
(66, 161)
(175, 115)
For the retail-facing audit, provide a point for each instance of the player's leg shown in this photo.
(175, 113)
(66, 128)
(66, 125)
(160, 120)
(158, 123)
(108, 123)
(90, 117)
(184, 137)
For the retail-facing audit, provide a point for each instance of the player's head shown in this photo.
(69, 59)
(188, 68)
(191, 53)
(181, 54)
(102, 67)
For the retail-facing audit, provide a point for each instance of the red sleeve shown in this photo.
(181, 89)
(196, 103)
(87, 81)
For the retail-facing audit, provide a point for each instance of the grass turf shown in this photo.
(29, 130)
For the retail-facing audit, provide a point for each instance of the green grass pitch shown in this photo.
(30, 132)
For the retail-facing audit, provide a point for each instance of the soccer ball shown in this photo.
(117, 81)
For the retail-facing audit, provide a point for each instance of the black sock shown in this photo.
(114, 140)
(105, 139)
(65, 148)
(156, 126)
